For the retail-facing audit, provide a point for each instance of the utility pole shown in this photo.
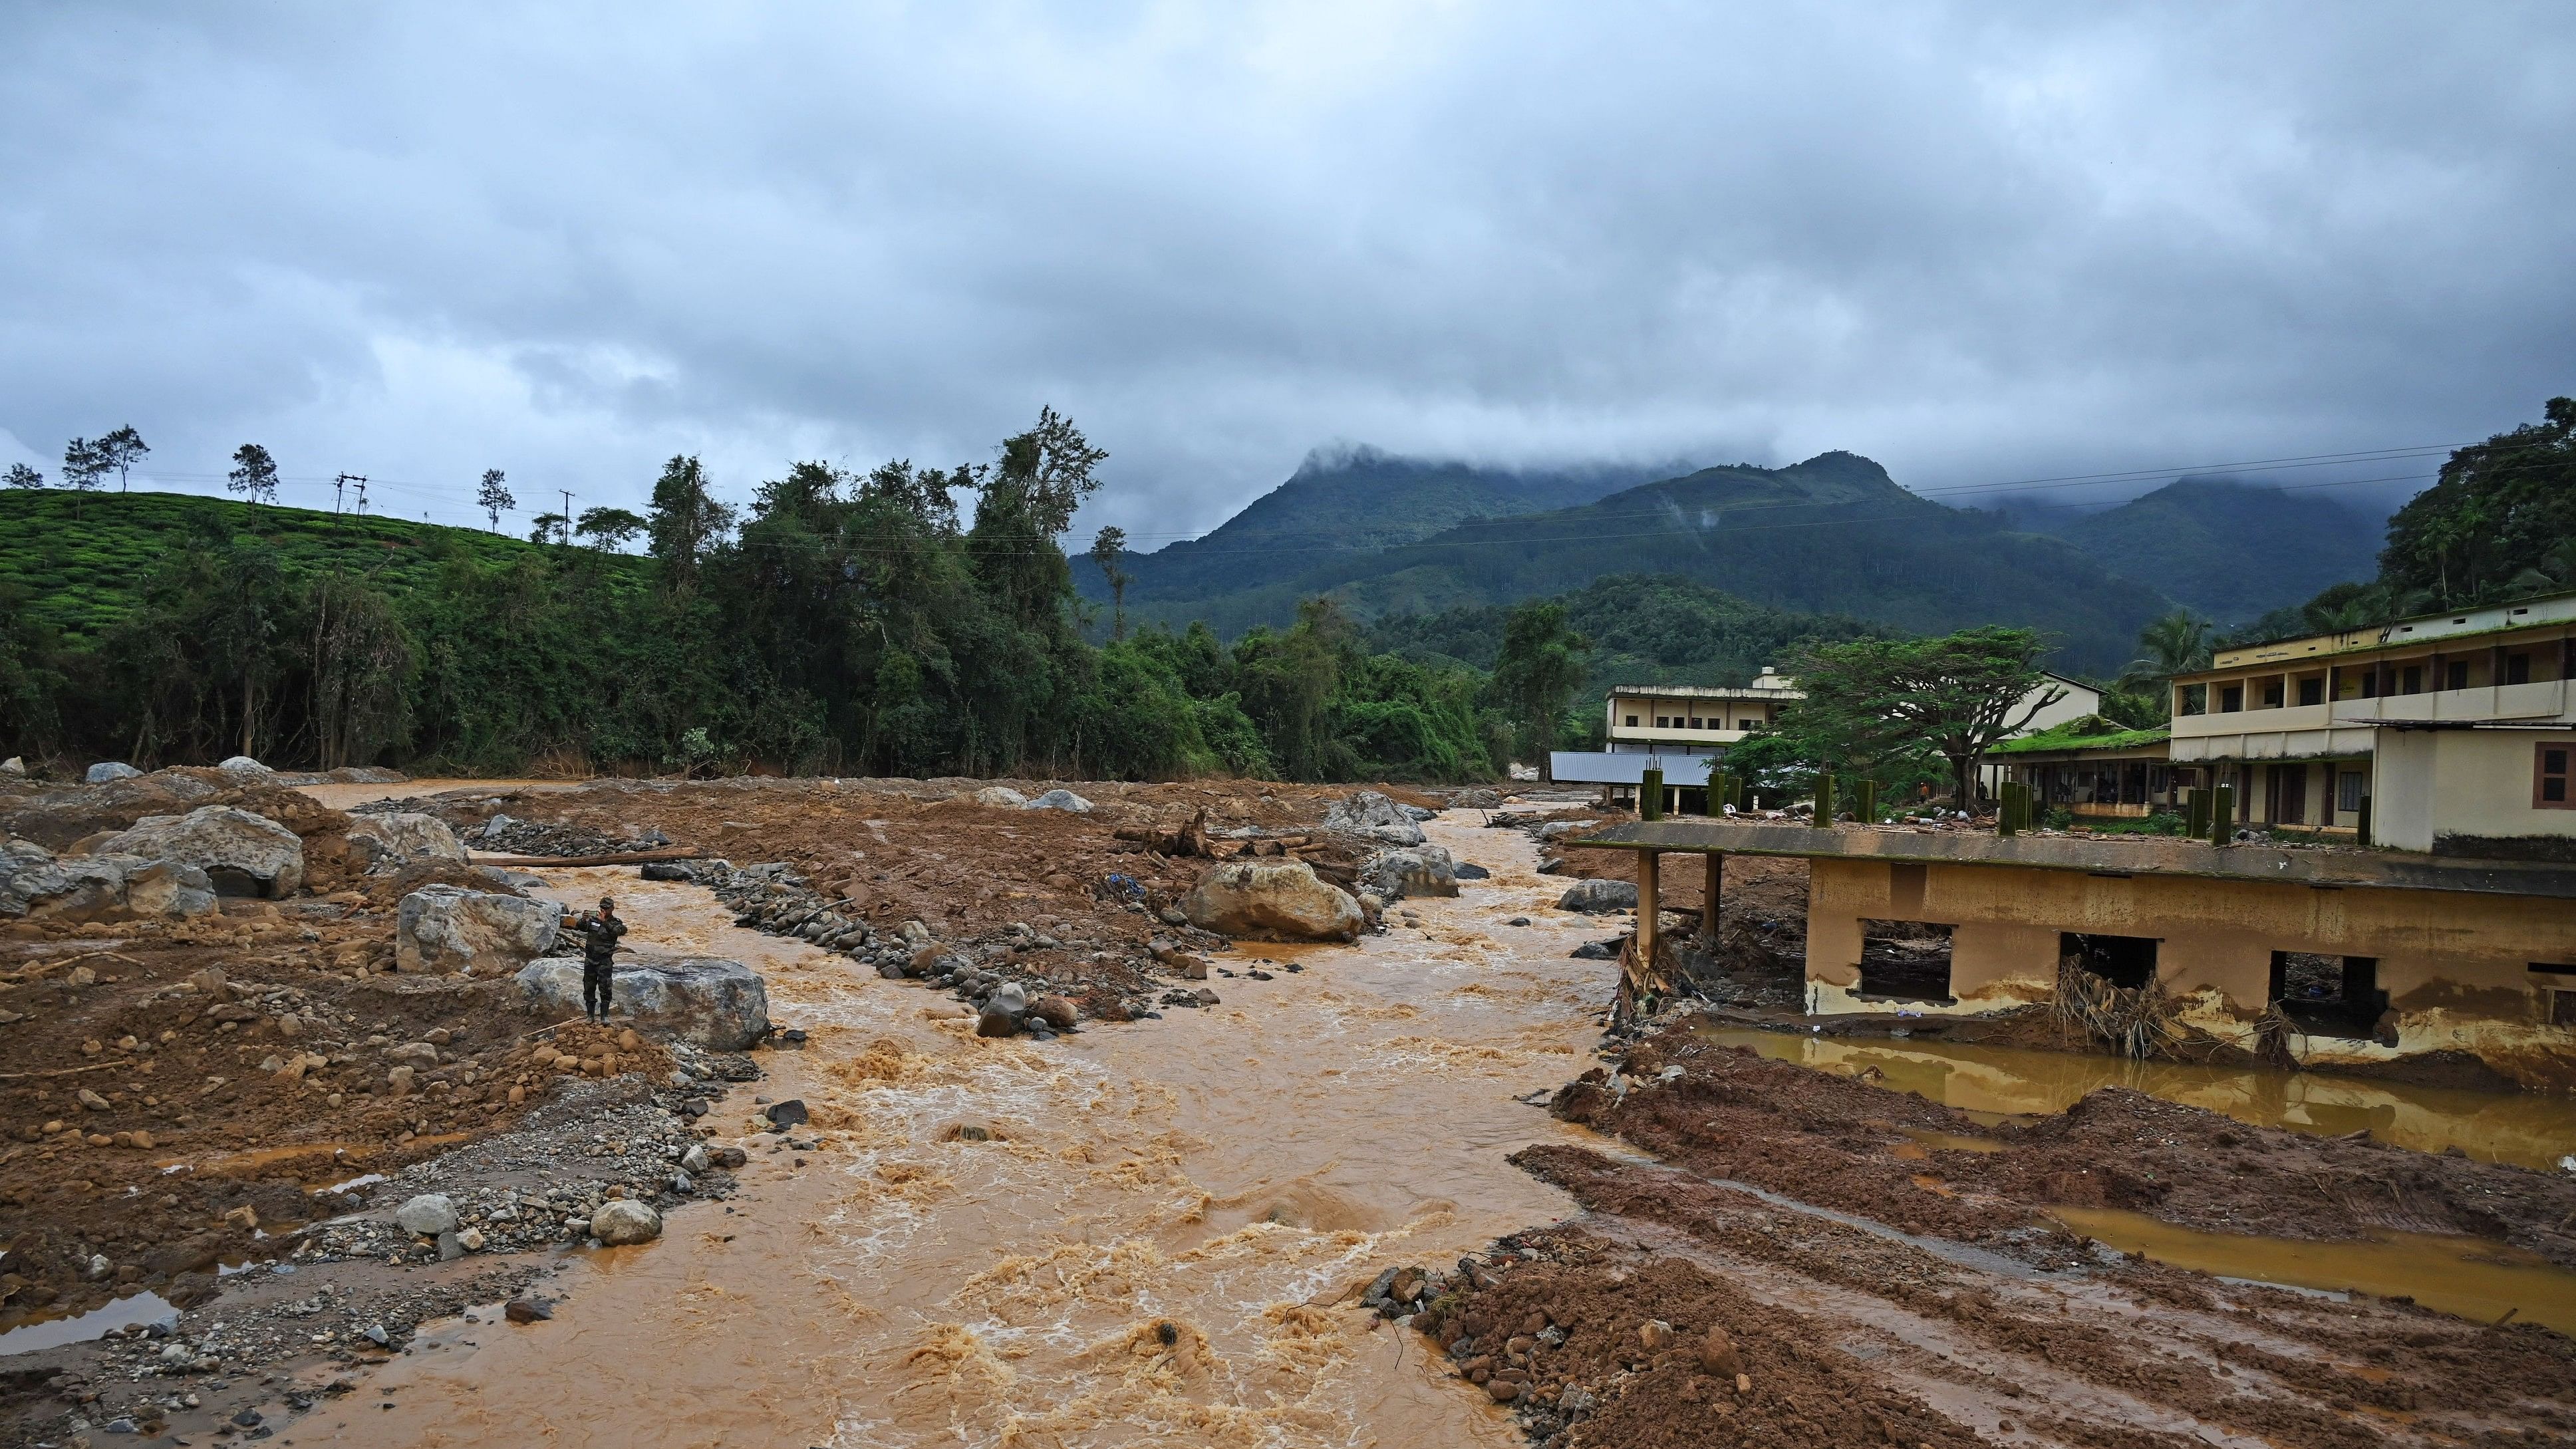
(362, 495)
(563, 525)
(340, 489)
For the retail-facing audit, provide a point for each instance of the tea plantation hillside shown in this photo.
(79, 561)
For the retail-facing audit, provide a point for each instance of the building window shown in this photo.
(2517, 669)
(2551, 787)
(2312, 691)
(2272, 694)
(2231, 699)
(1694, 724)
(1632, 721)
(2414, 679)
(1663, 722)
(2456, 674)
(2195, 699)
(2348, 792)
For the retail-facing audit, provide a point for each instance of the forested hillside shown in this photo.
(2229, 551)
(1831, 535)
(1642, 628)
(841, 624)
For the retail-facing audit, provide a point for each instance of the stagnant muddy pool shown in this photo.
(2528, 1129)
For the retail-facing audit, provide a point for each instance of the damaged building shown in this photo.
(2362, 957)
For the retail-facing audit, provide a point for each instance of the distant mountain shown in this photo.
(1833, 534)
(2230, 550)
(1644, 629)
(1344, 502)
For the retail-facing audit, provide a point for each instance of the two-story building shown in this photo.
(2453, 733)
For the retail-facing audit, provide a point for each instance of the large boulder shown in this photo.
(35, 882)
(720, 1005)
(392, 841)
(1422, 870)
(1272, 900)
(1373, 815)
(1060, 799)
(623, 1222)
(243, 854)
(1599, 895)
(247, 768)
(106, 770)
(448, 929)
(1000, 797)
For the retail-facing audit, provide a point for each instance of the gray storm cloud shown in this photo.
(1975, 243)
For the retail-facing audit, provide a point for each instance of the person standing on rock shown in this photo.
(599, 932)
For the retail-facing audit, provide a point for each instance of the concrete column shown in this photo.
(1648, 903)
(1716, 878)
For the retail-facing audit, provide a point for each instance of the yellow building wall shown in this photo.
(2456, 966)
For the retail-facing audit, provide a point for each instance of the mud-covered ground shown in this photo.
(1933, 1301)
(176, 1096)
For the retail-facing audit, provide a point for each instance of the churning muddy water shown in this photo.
(1138, 1234)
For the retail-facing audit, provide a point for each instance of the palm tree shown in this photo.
(2175, 644)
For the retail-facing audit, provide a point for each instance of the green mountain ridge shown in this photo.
(2224, 548)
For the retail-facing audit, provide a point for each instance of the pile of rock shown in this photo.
(1372, 816)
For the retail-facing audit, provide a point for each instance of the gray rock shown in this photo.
(1060, 799)
(390, 842)
(246, 766)
(993, 1021)
(703, 1000)
(413, 1053)
(1595, 896)
(1467, 871)
(1373, 815)
(14, 767)
(695, 1159)
(34, 882)
(243, 854)
(1000, 797)
(479, 933)
(790, 1113)
(624, 1221)
(1272, 899)
(427, 1215)
(1421, 870)
(106, 770)
(1011, 997)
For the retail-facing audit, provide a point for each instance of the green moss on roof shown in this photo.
(2089, 733)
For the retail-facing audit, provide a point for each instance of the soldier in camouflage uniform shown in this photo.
(599, 932)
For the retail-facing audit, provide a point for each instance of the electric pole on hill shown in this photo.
(563, 522)
(362, 495)
(340, 490)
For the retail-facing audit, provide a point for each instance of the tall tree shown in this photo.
(1541, 665)
(687, 522)
(608, 529)
(121, 450)
(2500, 509)
(22, 476)
(84, 463)
(1883, 700)
(254, 474)
(492, 495)
(1106, 548)
(548, 528)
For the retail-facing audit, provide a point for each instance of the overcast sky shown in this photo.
(1978, 243)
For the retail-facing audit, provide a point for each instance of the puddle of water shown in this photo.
(2466, 1277)
(1926, 1141)
(1992, 1082)
(41, 1333)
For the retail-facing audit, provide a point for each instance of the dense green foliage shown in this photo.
(840, 623)
(1893, 709)
(2499, 523)
(1832, 534)
(2222, 549)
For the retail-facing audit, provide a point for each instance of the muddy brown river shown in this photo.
(1226, 1172)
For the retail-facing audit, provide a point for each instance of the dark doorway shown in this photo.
(1905, 961)
(2127, 962)
(2289, 790)
(2329, 995)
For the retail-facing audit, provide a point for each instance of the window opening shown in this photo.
(2127, 962)
(2312, 691)
(1905, 961)
(2329, 995)
(2231, 699)
(2272, 695)
(2348, 791)
(1632, 721)
(2414, 683)
(2517, 669)
(2195, 699)
(2552, 787)
(2456, 674)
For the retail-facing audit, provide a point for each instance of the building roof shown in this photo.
(2089, 733)
(2513, 614)
(2129, 855)
(1625, 767)
(1705, 691)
